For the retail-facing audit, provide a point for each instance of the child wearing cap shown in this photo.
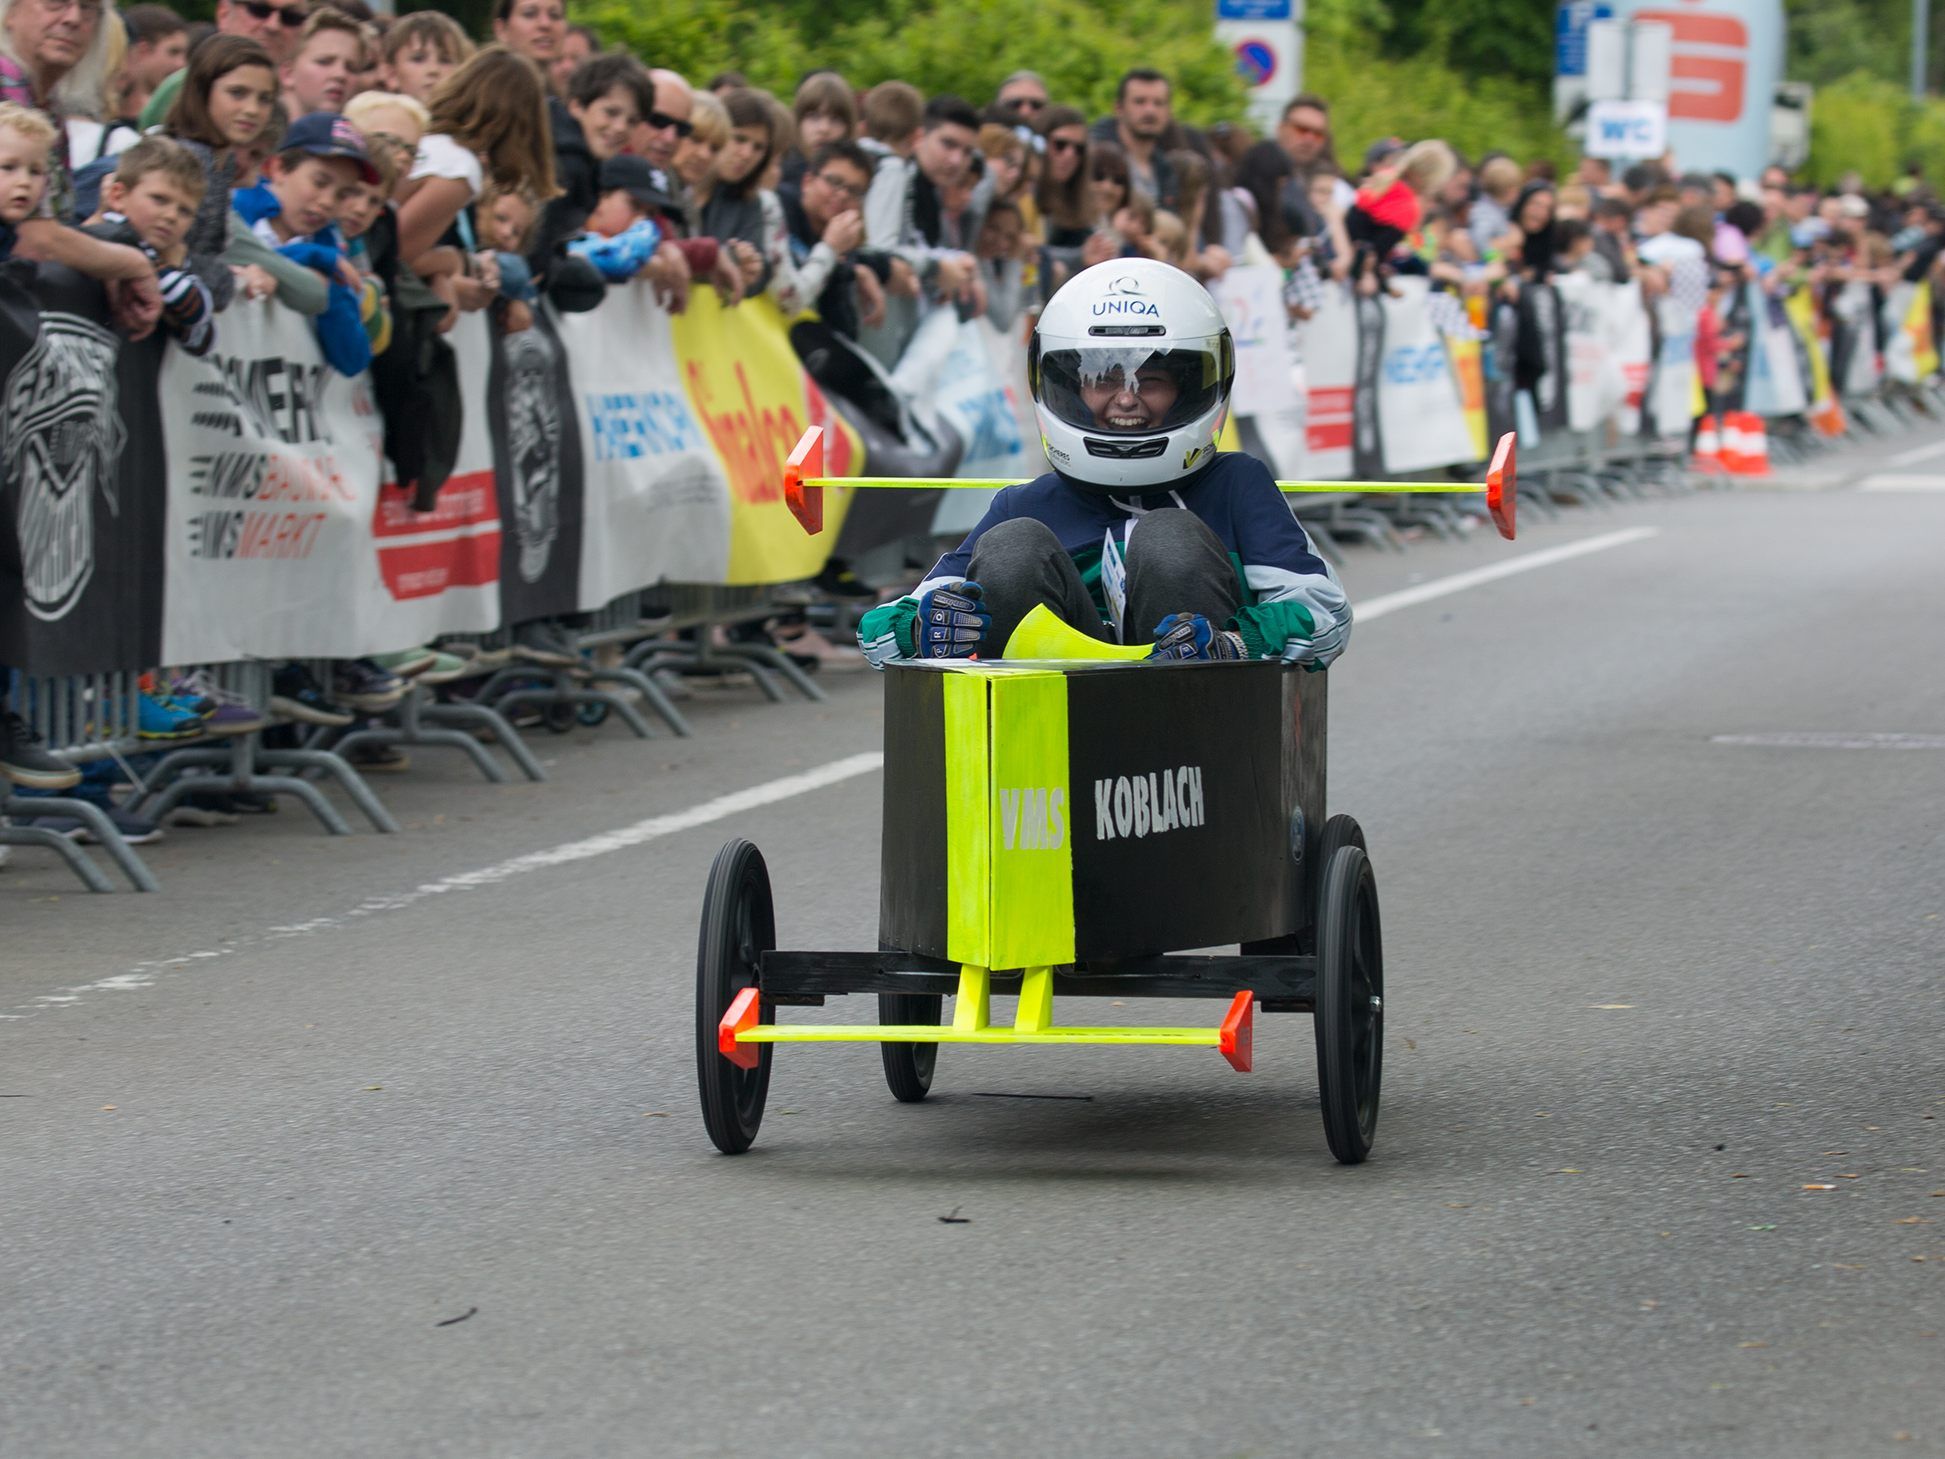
(150, 203)
(632, 232)
(293, 210)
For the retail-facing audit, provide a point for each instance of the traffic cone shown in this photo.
(1708, 446)
(1753, 458)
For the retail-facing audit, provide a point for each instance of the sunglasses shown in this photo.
(291, 16)
(659, 122)
(1026, 103)
(1066, 144)
(1302, 131)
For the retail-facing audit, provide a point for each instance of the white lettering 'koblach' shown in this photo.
(1034, 818)
(1143, 805)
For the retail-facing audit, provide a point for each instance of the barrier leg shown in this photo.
(504, 734)
(411, 731)
(653, 695)
(234, 768)
(339, 769)
(626, 712)
(77, 859)
(775, 660)
(96, 820)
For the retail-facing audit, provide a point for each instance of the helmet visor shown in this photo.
(1132, 390)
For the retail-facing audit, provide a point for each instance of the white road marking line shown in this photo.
(1378, 607)
(1919, 453)
(144, 975)
(1834, 740)
(1890, 481)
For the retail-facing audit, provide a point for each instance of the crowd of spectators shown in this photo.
(385, 176)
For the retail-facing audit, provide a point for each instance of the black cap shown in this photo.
(326, 134)
(646, 183)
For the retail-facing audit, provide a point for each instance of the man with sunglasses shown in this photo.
(665, 124)
(1022, 97)
(1304, 135)
(273, 24)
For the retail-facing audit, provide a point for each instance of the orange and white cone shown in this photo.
(1708, 446)
(1752, 457)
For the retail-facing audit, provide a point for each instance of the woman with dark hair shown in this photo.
(531, 28)
(1061, 197)
(1283, 213)
(733, 211)
(1533, 219)
(1108, 182)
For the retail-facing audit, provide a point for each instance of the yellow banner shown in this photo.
(1917, 323)
(754, 399)
(1469, 374)
(1802, 314)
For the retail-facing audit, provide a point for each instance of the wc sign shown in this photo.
(1626, 129)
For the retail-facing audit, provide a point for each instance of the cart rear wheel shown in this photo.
(908, 1067)
(1338, 831)
(1350, 1003)
(738, 926)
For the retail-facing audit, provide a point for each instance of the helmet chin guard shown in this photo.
(1131, 367)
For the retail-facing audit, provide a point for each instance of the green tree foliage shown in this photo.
(1081, 48)
(1830, 40)
(1868, 125)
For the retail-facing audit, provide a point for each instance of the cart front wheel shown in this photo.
(738, 926)
(908, 1067)
(1350, 1003)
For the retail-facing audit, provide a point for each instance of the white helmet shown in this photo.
(1131, 367)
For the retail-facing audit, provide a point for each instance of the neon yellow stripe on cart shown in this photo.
(968, 826)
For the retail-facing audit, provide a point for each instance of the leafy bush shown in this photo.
(1080, 48)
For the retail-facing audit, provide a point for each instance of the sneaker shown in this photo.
(164, 717)
(444, 668)
(66, 826)
(385, 759)
(545, 642)
(224, 711)
(361, 684)
(200, 815)
(836, 580)
(407, 663)
(296, 694)
(24, 762)
(136, 830)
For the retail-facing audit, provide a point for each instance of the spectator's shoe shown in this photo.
(190, 814)
(385, 759)
(164, 717)
(836, 580)
(224, 712)
(545, 642)
(136, 830)
(296, 694)
(407, 663)
(444, 668)
(25, 762)
(361, 684)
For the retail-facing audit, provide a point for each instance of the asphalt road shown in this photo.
(334, 1149)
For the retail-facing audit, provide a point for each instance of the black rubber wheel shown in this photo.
(738, 926)
(560, 717)
(1338, 831)
(908, 1067)
(1350, 1003)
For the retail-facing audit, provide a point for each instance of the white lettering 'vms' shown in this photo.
(1034, 818)
(1147, 805)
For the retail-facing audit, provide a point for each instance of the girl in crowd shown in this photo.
(488, 119)
(1203, 250)
(697, 153)
(825, 110)
(227, 99)
(1533, 230)
(734, 213)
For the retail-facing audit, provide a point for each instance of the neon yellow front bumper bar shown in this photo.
(804, 482)
(739, 1033)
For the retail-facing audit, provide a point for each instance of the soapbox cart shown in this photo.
(1056, 824)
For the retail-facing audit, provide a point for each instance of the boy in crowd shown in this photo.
(826, 229)
(325, 68)
(293, 209)
(148, 203)
(420, 51)
(361, 205)
(158, 47)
